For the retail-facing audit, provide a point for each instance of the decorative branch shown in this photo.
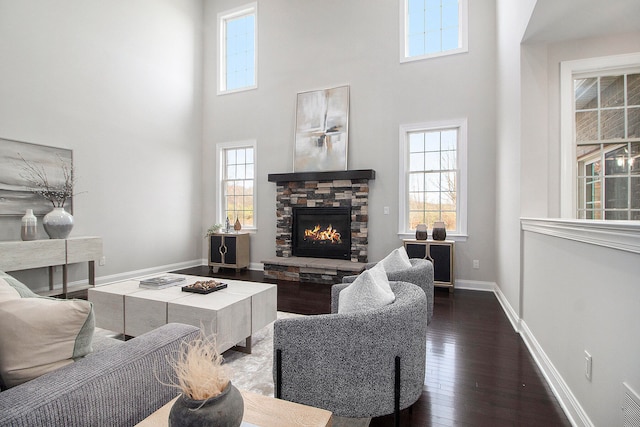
(39, 182)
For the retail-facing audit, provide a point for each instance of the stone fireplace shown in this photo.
(346, 190)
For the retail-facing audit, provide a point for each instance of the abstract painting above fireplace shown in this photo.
(322, 232)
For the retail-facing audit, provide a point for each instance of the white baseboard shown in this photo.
(570, 405)
(475, 285)
(103, 280)
(508, 310)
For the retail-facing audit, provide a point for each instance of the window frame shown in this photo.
(223, 18)
(404, 232)
(568, 160)
(463, 33)
(220, 199)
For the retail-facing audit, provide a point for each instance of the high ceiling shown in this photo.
(561, 20)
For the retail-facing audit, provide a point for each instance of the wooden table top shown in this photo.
(262, 411)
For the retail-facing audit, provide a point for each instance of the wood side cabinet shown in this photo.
(441, 253)
(230, 250)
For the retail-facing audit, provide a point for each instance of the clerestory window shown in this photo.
(431, 28)
(237, 49)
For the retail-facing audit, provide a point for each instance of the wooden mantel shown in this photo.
(322, 176)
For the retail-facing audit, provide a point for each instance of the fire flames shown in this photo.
(329, 234)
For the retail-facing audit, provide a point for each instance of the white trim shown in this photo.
(474, 285)
(223, 17)
(511, 314)
(568, 167)
(461, 153)
(104, 280)
(220, 147)
(463, 33)
(455, 237)
(621, 235)
(569, 403)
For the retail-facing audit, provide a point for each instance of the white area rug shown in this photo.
(253, 371)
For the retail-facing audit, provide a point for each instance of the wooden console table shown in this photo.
(18, 255)
(261, 411)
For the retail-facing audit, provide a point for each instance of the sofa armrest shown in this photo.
(121, 385)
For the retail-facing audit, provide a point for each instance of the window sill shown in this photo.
(621, 235)
(454, 237)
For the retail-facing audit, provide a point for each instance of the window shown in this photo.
(433, 176)
(602, 113)
(432, 28)
(238, 49)
(237, 183)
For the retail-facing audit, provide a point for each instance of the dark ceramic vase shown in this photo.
(421, 232)
(439, 231)
(224, 410)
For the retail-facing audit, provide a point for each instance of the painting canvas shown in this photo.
(15, 195)
(322, 130)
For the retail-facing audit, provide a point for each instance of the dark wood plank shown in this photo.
(479, 371)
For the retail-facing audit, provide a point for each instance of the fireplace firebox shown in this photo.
(322, 232)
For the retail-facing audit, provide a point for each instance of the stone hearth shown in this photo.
(315, 270)
(319, 189)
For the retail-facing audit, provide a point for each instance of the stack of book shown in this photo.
(161, 282)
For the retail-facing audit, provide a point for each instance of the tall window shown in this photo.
(237, 183)
(607, 138)
(432, 28)
(237, 49)
(433, 181)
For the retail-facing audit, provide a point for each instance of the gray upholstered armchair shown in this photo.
(348, 363)
(420, 273)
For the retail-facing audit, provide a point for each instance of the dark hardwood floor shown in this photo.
(479, 371)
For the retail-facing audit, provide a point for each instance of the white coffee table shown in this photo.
(233, 314)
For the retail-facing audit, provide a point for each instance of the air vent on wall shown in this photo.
(630, 407)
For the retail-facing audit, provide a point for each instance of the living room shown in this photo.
(132, 89)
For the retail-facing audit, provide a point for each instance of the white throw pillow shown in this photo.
(7, 292)
(39, 335)
(369, 291)
(397, 260)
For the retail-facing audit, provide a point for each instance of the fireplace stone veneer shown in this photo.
(319, 189)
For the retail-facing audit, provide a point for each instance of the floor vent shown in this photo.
(630, 407)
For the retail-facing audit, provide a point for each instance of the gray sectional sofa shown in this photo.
(118, 384)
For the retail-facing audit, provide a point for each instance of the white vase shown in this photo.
(58, 223)
(29, 227)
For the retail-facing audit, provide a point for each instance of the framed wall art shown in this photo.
(15, 192)
(322, 130)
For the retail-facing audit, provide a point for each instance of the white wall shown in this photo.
(119, 83)
(512, 18)
(307, 45)
(568, 296)
(579, 297)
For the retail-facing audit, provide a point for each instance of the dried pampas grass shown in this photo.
(199, 370)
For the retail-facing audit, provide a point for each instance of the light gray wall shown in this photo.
(512, 19)
(570, 296)
(588, 290)
(307, 45)
(581, 297)
(119, 83)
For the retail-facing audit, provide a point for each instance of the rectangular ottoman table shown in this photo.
(233, 314)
